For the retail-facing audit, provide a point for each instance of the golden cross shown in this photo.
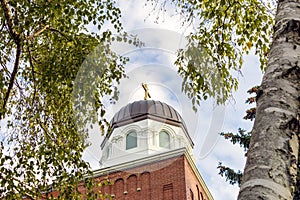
(147, 94)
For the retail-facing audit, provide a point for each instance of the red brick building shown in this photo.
(148, 156)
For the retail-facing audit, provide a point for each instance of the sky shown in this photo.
(154, 64)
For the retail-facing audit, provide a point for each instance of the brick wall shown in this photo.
(192, 184)
(171, 179)
(162, 180)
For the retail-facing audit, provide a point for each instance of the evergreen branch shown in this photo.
(230, 174)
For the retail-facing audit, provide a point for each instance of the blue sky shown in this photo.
(153, 64)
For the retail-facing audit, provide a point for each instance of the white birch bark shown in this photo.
(271, 167)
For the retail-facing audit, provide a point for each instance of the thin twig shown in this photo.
(55, 30)
(33, 74)
(13, 76)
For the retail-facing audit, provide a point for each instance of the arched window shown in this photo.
(192, 194)
(164, 139)
(118, 188)
(131, 140)
(199, 194)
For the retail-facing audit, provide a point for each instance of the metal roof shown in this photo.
(144, 109)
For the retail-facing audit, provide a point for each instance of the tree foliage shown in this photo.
(43, 45)
(224, 31)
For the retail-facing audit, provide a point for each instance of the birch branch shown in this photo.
(9, 19)
(37, 33)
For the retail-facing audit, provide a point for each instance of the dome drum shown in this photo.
(147, 109)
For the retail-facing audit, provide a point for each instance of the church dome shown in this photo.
(147, 109)
(144, 128)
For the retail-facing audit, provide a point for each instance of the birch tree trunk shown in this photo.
(271, 168)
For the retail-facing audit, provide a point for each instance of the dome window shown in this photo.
(131, 140)
(164, 140)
